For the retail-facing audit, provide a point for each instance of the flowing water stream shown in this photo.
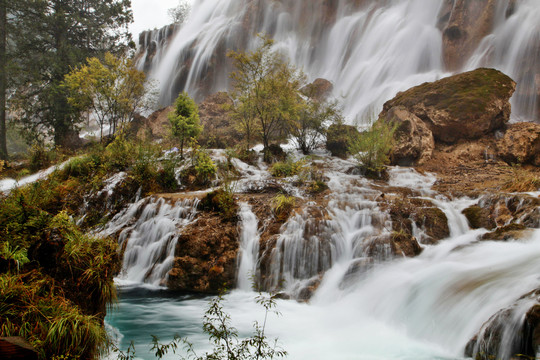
(426, 307)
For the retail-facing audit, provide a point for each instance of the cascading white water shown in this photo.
(369, 53)
(514, 48)
(150, 242)
(249, 248)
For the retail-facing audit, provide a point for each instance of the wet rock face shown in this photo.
(464, 24)
(509, 334)
(463, 106)
(414, 141)
(205, 258)
(521, 144)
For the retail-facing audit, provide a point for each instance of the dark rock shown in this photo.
(48, 249)
(463, 106)
(414, 141)
(12, 348)
(479, 217)
(521, 144)
(338, 137)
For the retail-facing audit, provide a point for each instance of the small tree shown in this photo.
(372, 147)
(265, 93)
(180, 13)
(185, 120)
(113, 90)
(310, 126)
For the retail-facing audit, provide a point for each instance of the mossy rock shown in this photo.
(434, 222)
(478, 217)
(464, 106)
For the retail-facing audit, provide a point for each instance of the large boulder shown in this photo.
(521, 144)
(463, 106)
(414, 141)
(319, 89)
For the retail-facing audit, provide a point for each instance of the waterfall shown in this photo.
(249, 248)
(148, 233)
(368, 52)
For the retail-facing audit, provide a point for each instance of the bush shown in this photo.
(222, 201)
(39, 157)
(282, 205)
(372, 147)
(287, 168)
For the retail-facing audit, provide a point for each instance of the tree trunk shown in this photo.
(3, 80)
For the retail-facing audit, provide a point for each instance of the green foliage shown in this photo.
(49, 38)
(112, 89)
(202, 170)
(372, 147)
(34, 307)
(287, 168)
(225, 337)
(282, 205)
(39, 157)
(184, 120)
(222, 201)
(309, 128)
(265, 93)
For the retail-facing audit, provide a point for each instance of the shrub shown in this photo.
(222, 201)
(287, 168)
(39, 157)
(282, 205)
(372, 147)
(521, 180)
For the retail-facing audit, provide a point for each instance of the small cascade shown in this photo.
(249, 248)
(149, 242)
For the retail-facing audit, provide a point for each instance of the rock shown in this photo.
(463, 106)
(205, 257)
(521, 144)
(479, 217)
(414, 141)
(464, 24)
(337, 139)
(509, 232)
(508, 334)
(17, 348)
(388, 246)
(219, 131)
(319, 89)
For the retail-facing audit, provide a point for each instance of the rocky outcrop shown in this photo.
(319, 89)
(464, 24)
(463, 106)
(219, 131)
(205, 257)
(338, 137)
(414, 141)
(521, 144)
(510, 333)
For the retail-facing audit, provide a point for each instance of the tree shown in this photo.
(113, 90)
(50, 37)
(265, 92)
(314, 118)
(371, 147)
(180, 13)
(185, 120)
